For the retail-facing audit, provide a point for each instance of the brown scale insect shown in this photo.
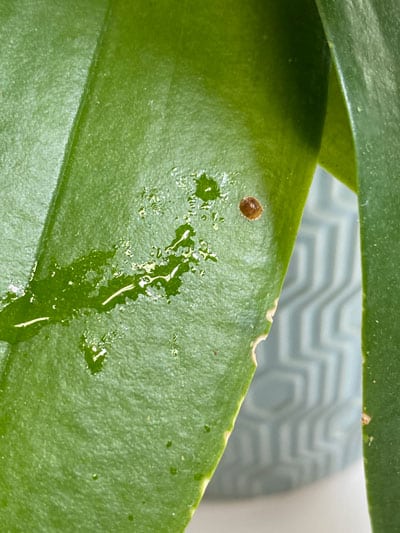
(250, 207)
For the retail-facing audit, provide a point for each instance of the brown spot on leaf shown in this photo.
(365, 419)
(250, 207)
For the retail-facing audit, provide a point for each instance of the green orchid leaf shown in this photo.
(365, 42)
(337, 153)
(156, 158)
(45, 57)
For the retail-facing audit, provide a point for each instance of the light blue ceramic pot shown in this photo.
(301, 419)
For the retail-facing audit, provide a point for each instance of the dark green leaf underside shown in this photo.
(130, 348)
(365, 42)
(337, 148)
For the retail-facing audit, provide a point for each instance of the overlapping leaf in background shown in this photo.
(364, 37)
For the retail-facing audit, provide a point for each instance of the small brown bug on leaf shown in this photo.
(250, 207)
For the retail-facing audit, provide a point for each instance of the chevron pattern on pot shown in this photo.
(301, 419)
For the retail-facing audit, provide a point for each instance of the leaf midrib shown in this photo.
(62, 175)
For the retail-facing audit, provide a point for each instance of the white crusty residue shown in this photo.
(227, 434)
(271, 312)
(270, 317)
(30, 322)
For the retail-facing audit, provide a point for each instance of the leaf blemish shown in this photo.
(95, 282)
(207, 189)
(251, 208)
(365, 419)
(271, 312)
(269, 317)
(95, 353)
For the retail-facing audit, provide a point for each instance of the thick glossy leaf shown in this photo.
(130, 349)
(45, 57)
(365, 42)
(337, 148)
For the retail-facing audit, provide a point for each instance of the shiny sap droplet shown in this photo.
(250, 207)
(95, 354)
(207, 189)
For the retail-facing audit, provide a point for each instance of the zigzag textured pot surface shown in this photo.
(301, 418)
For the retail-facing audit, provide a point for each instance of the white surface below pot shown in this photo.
(333, 505)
